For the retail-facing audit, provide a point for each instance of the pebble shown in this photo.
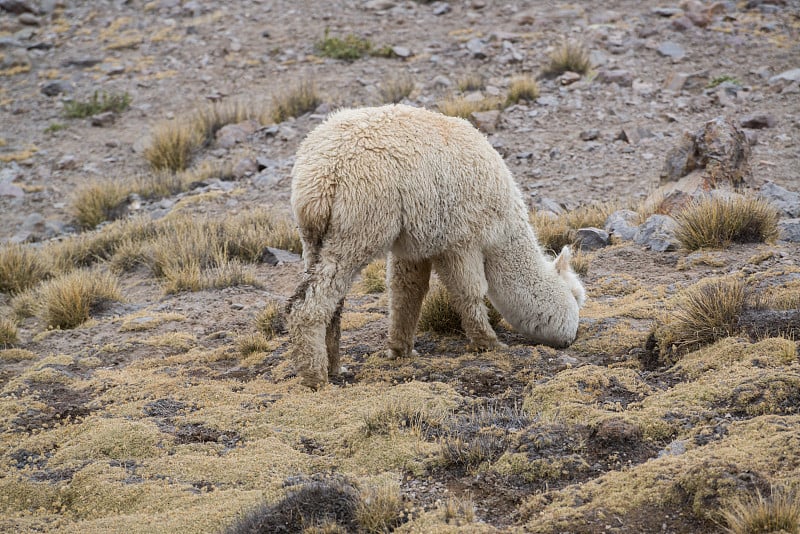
(11, 190)
(792, 75)
(790, 230)
(103, 119)
(758, 121)
(17, 6)
(477, 48)
(441, 8)
(485, 121)
(56, 87)
(657, 233)
(621, 77)
(401, 51)
(786, 201)
(620, 224)
(590, 135)
(591, 238)
(688, 81)
(29, 19)
(672, 50)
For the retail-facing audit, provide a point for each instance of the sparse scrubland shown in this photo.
(145, 378)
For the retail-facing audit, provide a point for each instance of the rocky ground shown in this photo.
(150, 418)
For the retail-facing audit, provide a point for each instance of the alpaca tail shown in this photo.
(312, 203)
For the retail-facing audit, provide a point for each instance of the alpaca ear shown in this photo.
(563, 259)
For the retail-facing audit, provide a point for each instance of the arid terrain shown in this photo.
(175, 407)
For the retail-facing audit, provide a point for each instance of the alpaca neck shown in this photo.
(527, 291)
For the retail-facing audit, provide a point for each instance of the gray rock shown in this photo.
(667, 11)
(8, 189)
(83, 62)
(671, 50)
(657, 233)
(56, 87)
(442, 81)
(485, 121)
(244, 167)
(792, 75)
(547, 204)
(401, 51)
(621, 77)
(477, 48)
(686, 81)
(232, 134)
(441, 8)
(29, 19)
(106, 118)
(68, 162)
(758, 121)
(676, 448)
(8, 42)
(379, 5)
(590, 135)
(786, 201)
(17, 6)
(276, 256)
(621, 224)
(790, 230)
(591, 238)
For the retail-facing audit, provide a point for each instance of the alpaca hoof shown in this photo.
(336, 371)
(315, 381)
(394, 354)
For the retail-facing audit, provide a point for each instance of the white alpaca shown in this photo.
(431, 191)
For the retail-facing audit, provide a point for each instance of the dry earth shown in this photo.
(148, 418)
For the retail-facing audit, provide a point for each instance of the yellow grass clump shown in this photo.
(373, 277)
(759, 514)
(294, 101)
(68, 300)
(396, 88)
(471, 82)
(438, 314)
(379, 507)
(21, 267)
(522, 88)
(8, 332)
(268, 320)
(172, 145)
(570, 56)
(716, 222)
(459, 106)
(98, 201)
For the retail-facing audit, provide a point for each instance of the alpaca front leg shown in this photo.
(333, 336)
(408, 285)
(463, 275)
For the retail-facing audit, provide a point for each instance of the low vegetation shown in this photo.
(460, 106)
(172, 145)
(438, 314)
(348, 48)
(373, 277)
(570, 56)
(69, 300)
(716, 222)
(8, 332)
(21, 268)
(471, 82)
(759, 514)
(99, 102)
(98, 201)
(522, 88)
(294, 101)
(395, 89)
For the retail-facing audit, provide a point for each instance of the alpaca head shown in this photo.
(565, 272)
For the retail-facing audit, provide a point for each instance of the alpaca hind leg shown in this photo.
(408, 284)
(463, 276)
(311, 312)
(333, 335)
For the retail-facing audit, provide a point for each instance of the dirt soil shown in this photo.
(110, 427)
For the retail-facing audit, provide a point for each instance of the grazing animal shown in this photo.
(430, 191)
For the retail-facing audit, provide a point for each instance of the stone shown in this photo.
(591, 238)
(83, 62)
(17, 6)
(379, 5)
(590, 135)
(547, 204)
(633, 134)
(789, 230)
(8, 189)
(68, 162)
(441, 8)
(442, 81)
(103, 119)
(792, 75)
(666, 11)
(232, 134)
(686, 81)
(621, 224)
(675, 448)
(485, 121)
(758, 121)
(719, 148)
(276, 256)
(477, 48)
(621, 77)
(569, 77)
(56, 87)
(788, 202)
(29, 19)
(244, 167)
(401, 51)
(671, 50)
(657, 233)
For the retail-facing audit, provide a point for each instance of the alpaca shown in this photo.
(431, 192)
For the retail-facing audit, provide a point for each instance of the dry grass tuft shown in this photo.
(21, 267)
(373, 277)
(756, 514)
(269, 321)
(380, 507)
(457, 511)
(571, 56)
(459, 106)
(158, 184)
(209, 119)
(99, 201)
(438, 314)
(718, 222)
(248, 344)
(69, 300)
(396, 88)
(580, 262)
(522, 88)
(295, 101)
(704, 312)
(553, 232)
(8, 332)
(471, 82)
(172, 145)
